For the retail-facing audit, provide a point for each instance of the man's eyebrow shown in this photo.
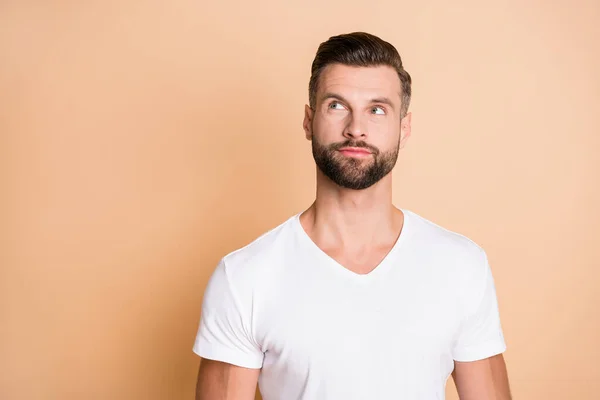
(331, 95)
(382, 100)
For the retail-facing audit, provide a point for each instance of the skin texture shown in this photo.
(222, 381)
(484, 379)
(357, 228)
(352, 218)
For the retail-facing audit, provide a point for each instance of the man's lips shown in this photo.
(355, 151)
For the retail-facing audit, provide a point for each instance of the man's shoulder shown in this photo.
(262, 250)
(441, 241)
(452, 256)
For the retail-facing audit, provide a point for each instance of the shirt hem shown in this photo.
(480, 352)
(227, 356)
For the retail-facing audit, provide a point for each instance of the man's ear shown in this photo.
(307, 124)
(405, 129)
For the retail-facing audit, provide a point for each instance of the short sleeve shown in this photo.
(480, 334)
(224, 333)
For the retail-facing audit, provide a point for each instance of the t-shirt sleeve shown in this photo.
(480, 334)
(225, 332)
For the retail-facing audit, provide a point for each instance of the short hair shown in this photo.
(358, 49)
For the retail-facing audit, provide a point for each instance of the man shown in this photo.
(353, 298)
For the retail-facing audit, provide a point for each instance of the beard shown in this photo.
(353, 173)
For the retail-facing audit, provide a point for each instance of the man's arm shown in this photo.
(231, 358)
(485, 379)
(221, 381)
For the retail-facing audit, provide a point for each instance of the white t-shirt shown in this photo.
(320, 331)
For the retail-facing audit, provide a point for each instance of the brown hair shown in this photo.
(359, 49)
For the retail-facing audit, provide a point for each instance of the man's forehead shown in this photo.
(371, 81)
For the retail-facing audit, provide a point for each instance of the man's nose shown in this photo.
(356, 127)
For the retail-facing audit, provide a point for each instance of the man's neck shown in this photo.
(353, 219)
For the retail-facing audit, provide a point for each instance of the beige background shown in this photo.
(143, 140)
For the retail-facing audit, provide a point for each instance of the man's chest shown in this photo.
(333, 332)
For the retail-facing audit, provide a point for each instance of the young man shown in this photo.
(353, 298)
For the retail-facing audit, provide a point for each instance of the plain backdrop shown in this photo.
(143, 140)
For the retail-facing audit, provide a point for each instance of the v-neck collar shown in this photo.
(379, 270)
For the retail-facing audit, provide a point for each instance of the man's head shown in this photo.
(358, 117)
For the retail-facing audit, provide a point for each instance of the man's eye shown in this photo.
(378, 110)
(336, 106)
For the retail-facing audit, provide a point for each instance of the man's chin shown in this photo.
(355, 165)
(354, 173)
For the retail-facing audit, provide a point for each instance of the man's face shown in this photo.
(356, 125)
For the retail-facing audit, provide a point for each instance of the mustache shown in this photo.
(352, 143)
